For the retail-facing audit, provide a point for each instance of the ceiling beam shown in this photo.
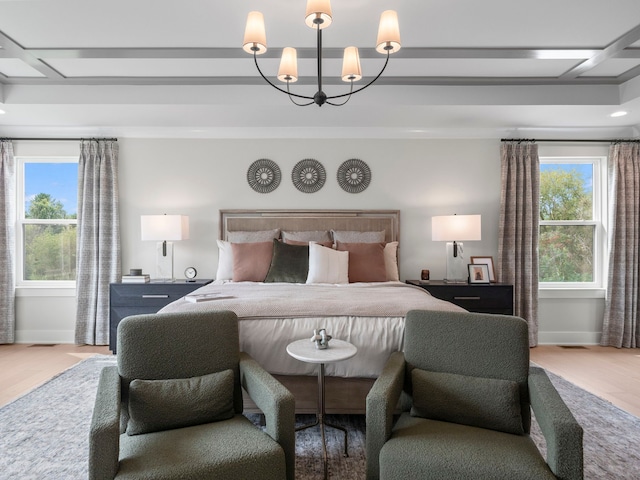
(611, 51)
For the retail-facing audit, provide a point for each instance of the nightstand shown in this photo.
(136, 298)
(475, 297)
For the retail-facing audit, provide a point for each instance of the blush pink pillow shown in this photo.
(366, 261)
(251, 261)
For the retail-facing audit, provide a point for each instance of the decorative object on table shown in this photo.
(424, 275)
(321, 339)
(165, 229)
(264, 175)
(478, 273)
(354, 175)
(308, 175)
(190, 273)
(137, 277)
(318, 16)
(486, 261)
(454, 229)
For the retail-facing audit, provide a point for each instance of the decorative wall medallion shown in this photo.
(308, 175)
(264, 175)
(354, 176)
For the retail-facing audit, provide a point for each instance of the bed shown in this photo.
(368, 312)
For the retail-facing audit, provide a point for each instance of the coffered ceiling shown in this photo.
(467, 68)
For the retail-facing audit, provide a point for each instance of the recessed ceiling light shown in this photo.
(2, 112)
(621, 113)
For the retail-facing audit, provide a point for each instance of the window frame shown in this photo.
(21, 221)
(599, 221)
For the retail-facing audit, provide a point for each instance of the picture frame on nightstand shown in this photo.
(486, 261)
(479, 273)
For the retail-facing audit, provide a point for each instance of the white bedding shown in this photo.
(369, 315)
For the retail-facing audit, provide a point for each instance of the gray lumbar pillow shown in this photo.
(156, 405)
(479, 402)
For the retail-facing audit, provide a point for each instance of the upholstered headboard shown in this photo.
(297, 220)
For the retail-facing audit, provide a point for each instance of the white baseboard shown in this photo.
(45, 336)
(569, 338)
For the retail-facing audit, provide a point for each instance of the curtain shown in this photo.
(98, 245)
(518, 228)
(621, 327)
(7, 243)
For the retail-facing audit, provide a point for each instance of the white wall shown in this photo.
(421, 178)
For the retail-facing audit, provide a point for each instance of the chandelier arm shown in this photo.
(255, 59)
(296, 103)
(348, 98)
(365, 86)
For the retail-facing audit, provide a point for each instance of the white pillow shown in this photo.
(327, 265)
(225, 261)
(391, 261)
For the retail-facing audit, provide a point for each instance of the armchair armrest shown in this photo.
(381, 403)
(104, 434)
(276, 402)
(559, 427)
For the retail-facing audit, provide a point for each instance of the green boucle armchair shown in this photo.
(466, 390)
(172, 408)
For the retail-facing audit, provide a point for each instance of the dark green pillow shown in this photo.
(156, 405)
(478, 402)
(289, 263)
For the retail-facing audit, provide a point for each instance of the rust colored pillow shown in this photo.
(251, 261)
(366, 261)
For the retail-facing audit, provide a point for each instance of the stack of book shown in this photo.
(144, 278)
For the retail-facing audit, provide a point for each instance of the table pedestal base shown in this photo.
(321, 422)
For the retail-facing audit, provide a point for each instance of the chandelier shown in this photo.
(318, 16)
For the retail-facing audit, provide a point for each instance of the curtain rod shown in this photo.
(570, 140)
(59, 139)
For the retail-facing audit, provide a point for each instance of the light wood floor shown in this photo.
(611, 373)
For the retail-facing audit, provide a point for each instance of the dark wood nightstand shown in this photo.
(136, 298)
(475, 297)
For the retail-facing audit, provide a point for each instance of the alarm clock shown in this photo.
(190, 273)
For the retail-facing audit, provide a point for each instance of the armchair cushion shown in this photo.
(156, 405)
(478, 402)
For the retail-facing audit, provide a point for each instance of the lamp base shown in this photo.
(456, 267)
(164, 262)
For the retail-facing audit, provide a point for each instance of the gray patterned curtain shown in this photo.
(7, 243)
(98, 246)
(621, 327)
(518, 228)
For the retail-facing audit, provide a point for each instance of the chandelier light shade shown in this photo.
(318, 13)
(388, 33)
(288, 71)
(318, 16)
(255, 37)
(351, 70)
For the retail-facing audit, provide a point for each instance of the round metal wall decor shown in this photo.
(264, 175)
(308, 175)
(354, 176)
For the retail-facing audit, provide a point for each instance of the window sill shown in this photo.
(46, 291)
(572, 293)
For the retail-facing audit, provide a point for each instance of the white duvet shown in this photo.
(369, 315)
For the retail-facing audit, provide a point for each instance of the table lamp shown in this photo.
(165, 229)
(454, 229)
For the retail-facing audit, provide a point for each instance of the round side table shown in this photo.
(306, 351)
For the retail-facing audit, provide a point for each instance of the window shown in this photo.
(572, 244)
(47, 219)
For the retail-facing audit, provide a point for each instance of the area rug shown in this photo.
(43, 435)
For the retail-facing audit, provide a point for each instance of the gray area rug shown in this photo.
(43, 435)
